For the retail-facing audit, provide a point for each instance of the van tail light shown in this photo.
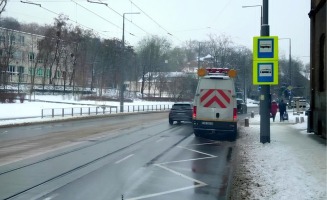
(194, 112)
(235, 114)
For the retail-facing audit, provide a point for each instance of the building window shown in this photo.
(39, 72)
(11, 68)
(21, 40)
(322, 63)
(2, 39)
(47, 73)
(20, 70)
(31, 71)
(12, 40)
(31, 56)
(58, 74)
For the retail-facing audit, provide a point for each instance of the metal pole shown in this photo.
(122, 68)
(265, 89)
(290, 61)
(122, 71)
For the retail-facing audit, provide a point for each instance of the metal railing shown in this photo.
(100, 110)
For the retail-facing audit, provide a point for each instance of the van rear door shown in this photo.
(217, 103)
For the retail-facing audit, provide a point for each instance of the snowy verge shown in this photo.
(291, 166)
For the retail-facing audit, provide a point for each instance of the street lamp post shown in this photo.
(261, 21)
(122, 68)
(265, 89)
(255, 6)
(199, 57)
(289, 59)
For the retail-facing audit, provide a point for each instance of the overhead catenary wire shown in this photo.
(153, 20)
(123, 16)
(29, 2)
(97, 15)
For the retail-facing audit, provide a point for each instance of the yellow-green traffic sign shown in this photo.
(265, 48)
(265, 60)
(265, 72)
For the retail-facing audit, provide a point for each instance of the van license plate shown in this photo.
(207, 123)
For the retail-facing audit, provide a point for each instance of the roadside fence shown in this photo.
(100, 110)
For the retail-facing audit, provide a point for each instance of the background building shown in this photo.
(317, 116)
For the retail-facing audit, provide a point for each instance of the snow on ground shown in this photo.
(291, 166)
(31, 110)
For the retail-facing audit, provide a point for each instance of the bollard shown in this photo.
(246, 122)
(297, 120)
(302, 119)
(252, 114)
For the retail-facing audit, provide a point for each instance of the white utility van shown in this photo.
(215, 107)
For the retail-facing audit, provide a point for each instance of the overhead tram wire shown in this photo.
(122, 16)
(154, 21)
(29, 2)
(97, 15)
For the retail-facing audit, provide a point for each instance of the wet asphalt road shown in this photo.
(152, 160)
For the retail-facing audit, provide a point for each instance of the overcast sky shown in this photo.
(183, 19)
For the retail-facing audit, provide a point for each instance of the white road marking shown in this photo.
(199, 184)
(204, 144)
(51, 197)
(192, 159)
(213, 156)
(160, 140)
(121, 160)
(161, 165)
(181, 175)
(162, 193)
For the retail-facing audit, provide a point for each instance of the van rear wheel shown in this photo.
(196, 133)
(171, 122)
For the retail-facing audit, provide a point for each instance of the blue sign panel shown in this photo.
(265, 72)
(265, 48)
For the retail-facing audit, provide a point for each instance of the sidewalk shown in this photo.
(291, 166)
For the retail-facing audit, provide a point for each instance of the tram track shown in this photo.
(83, 165)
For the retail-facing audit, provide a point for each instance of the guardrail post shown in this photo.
(52, 112)
(42, 113)
(72, 111)
(63, 112)
(152, 108)
(138, 108)
(127, 108)
(133, 108)
(156, 107)
(143, 108)
(81, 110)
(109, 109)
(89, 110)
(96, 110)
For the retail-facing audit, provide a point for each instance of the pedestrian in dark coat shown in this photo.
(273, 109)
(282, 109)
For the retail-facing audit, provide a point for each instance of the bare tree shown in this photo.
(220, 49)
(7, 49)
(152, 51)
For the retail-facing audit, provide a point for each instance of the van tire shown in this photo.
(196, 133)
(171, 122)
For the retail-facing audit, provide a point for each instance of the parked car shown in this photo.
(181, 111)
(241, 106)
